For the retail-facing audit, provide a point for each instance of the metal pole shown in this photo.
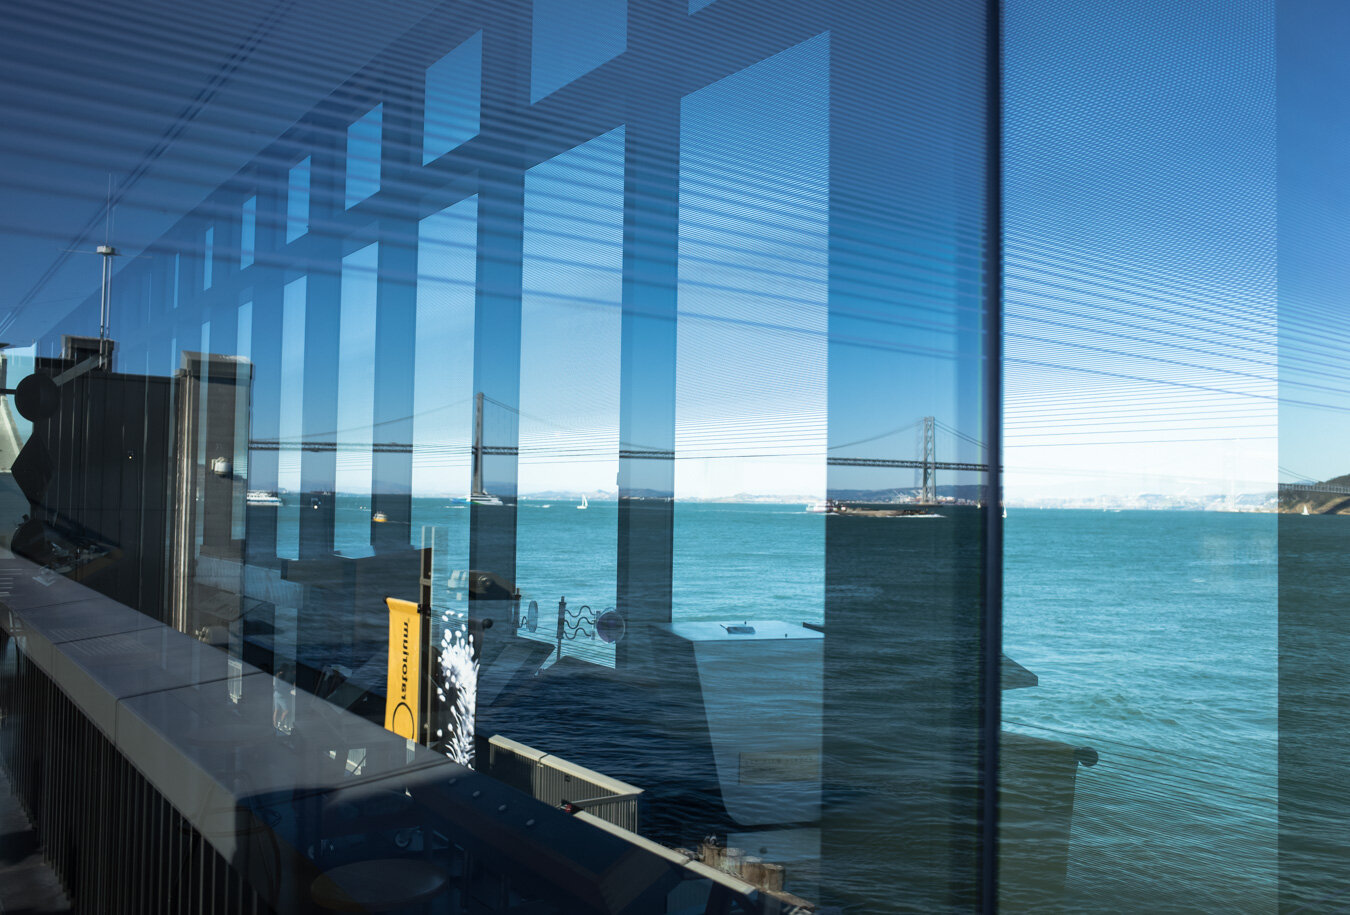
(105, 303)
(562, 621)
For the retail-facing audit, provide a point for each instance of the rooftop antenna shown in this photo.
(104, 358)
(105, 294)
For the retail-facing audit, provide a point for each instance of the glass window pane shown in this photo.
(609, 425)
(1313, 231)
(1142, 563)
(443, 398)
(747, 251)
(570, 328)
(452, 99)
(208, 258)
(290, 438)
(354, 435)
(243, 381)
(248, 231)
(572, 38)
(363, 155)
(297, 200)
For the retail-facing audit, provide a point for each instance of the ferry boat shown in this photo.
(476, 498)
(261, 497)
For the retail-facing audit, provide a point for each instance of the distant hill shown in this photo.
(968, 492)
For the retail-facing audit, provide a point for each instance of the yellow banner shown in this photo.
(403, 707)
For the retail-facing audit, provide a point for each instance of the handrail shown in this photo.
(174, 728)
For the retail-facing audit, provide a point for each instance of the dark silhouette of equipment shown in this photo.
(36, 398)
(95, 474)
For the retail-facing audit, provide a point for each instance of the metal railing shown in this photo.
(113, 840)
(157, 781)
(557, 782)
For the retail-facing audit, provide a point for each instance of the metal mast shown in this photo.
(105, 304)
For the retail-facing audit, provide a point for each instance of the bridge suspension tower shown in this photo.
(929, 491)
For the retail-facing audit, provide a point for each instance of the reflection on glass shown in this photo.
(753, 282)
(297, 200)
(626, 413)
(248, 230)
(291, 419)
(573, 37)
(748, 561)
(572, 276)
(243, 350)
(356, 401)
(452, 99)
(15, 430)
(1144, 568)
(203, 427)
(1168, 755)
(208, 257)
(363, 155)
(443, 391)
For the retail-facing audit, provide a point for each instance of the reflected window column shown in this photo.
(318, 465)
(395, 333)
(905, 598)
(318, 632)
(265, 347)
(497, 314)
(647, 365)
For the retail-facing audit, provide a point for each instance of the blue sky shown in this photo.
(1314, 239)
(1141, 239)
(1141, 223)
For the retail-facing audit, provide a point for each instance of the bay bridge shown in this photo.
(926, 462)
(1305, 484)
(1328, 488)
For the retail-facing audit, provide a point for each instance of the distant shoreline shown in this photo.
(1213, 504)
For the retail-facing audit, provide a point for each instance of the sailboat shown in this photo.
(584, 503)
(1305, 509)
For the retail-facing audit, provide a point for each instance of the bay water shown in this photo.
(1153, 636)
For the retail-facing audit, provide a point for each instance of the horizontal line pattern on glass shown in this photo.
(601, 325)
(1144, 370)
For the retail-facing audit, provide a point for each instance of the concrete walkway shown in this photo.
(27, 884)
